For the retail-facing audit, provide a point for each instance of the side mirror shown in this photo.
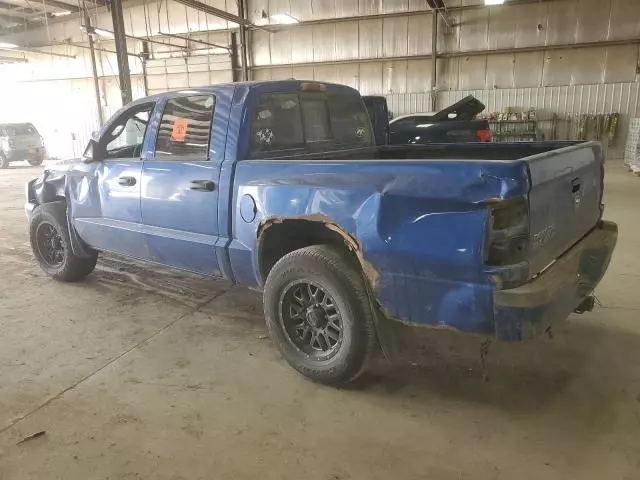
(92, 152)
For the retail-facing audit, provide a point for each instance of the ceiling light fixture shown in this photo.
(8, 45)
(61, 14)
(493, 2)
(284, 18)
(101, 32)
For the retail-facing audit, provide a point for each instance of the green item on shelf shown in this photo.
(600, 126)
(583, 126)
(612, 126)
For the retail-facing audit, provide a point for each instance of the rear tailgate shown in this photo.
(564, 200)
(27, 141)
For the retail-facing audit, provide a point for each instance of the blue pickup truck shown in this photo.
(279, 186)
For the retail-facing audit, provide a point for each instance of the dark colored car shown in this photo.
(454, 124)
(379, 114)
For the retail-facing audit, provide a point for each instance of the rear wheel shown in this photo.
(51, 245)
(318, 314)
(34, 162)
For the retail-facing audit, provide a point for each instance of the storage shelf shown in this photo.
(513, 121)
(513, 134)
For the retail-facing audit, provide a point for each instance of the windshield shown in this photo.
(20, 129)
(310, 121)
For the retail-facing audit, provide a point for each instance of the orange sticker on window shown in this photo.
(179, 131)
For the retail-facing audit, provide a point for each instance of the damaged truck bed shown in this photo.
(278, 186)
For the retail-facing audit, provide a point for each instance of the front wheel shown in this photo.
(4, 163)
(34, 162)
(51, 245)
(319, 315)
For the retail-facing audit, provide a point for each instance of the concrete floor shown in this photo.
(142, 373)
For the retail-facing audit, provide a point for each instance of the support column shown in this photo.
(244, 39)
(237, 74)
(94, 68)
(434, 61)
(124, 74)
(144, 58)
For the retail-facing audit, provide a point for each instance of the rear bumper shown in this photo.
(526, 311)
(25, 153)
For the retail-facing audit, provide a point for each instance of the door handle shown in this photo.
(575, 185)
(127, 181)
(202, 185)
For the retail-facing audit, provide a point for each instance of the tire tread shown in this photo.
(342, 266)
(74, 268)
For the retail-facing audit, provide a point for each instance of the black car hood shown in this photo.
(465, 109)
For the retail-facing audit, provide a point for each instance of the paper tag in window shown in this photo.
(179, 131)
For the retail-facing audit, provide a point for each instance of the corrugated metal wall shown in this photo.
(567, 102)
(385, 53)
(373, 55)
(550, 24)
(63, 111)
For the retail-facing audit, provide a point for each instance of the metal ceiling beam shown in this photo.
(86, 47)
(466, 53)
(216, 12)
(61, 5)
(13, 19)
(4, 59)
(379, 16)
(34, 50)
(187, 39)
(91, 31)
(439, 7)
(16, 15)
(12, 7)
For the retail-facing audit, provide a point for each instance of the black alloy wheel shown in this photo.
(311, 319)
(50, 245)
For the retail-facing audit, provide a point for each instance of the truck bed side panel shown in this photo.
(420, 226)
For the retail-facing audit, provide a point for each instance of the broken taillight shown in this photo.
(484, 135)
(508, 239)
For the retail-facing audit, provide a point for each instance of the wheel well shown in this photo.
(286, 236)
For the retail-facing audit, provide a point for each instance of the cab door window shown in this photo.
(126, 136)
(185, 128)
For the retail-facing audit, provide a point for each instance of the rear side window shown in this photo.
(316, 119)
(185, 128)
(282, 121)
(276, 123)
(349, 121)
(405, 122)
(21, 129)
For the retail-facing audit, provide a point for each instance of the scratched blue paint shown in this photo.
(422, 224)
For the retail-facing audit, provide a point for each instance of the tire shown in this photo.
(325, 268)
(34, 162)
(4, 163)
(51, 246)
